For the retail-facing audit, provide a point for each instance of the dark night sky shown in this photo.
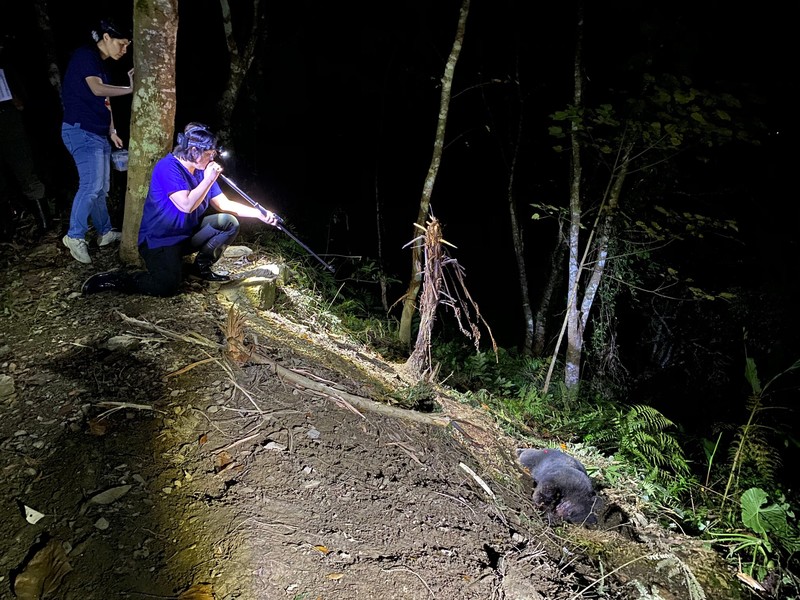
(345, 105)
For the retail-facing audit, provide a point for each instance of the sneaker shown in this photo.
(78, 248)
(109, 238)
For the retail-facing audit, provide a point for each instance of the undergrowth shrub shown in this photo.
(760, 536)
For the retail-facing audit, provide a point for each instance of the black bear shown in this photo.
(563, 487)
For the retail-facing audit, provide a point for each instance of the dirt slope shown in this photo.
(170, 462)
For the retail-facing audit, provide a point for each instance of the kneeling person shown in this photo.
(183, 185)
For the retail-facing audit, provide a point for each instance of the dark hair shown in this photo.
(107, 25)
(195, 139)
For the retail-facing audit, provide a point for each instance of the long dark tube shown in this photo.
(279, 225)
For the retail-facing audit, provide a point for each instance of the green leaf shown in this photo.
(770, 519)
(751, 502)
(752, 376)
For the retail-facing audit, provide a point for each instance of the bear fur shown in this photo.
(563, 488)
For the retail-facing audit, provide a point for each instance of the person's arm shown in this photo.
(222, 203)
(99, 88)
(112, 132)
(188, 200)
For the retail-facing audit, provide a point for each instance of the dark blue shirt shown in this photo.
(163, 224)
(80, 104)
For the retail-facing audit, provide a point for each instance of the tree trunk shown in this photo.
(410, 298)
(519, 246)
(382, 279)
(49, 44)
(540, 334)
(420, 363)
(601, 247)
(572, 366)
(571, 321)
(155, 25)
(240, 61)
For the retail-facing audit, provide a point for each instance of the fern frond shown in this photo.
(757, 452)
(642, 417)
(643, 438)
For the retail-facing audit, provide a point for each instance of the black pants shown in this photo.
(165, 265)
(16, 160)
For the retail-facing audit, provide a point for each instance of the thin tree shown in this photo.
(241, 57)
(49, 44)
(153, 107)
(510, 158)
(574, 330)
(547, 297)
(410, 298)
(667, 117)
(519, 245)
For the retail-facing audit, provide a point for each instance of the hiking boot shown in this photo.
(78, 248)
(206, 274)
(109, 238)
(202, 269)
(110, 281)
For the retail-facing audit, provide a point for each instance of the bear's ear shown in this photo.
(520, 451)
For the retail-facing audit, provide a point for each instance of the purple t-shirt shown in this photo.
(80, 104)
(163, 224)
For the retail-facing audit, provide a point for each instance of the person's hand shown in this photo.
(212, 171)
(270, 218)
(116, 140)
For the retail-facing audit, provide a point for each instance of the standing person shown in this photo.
(88, 125)
(182, 186)
(16, 156)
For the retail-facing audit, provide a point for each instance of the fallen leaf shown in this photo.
(110, 495)
(199, 591)
(203, 439)
(98, 427)
(43, 574)
(744, 577)
(32, 516)
(323, 549)
(223, 460)
(335, 576)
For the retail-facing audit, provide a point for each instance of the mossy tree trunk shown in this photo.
(153, 106)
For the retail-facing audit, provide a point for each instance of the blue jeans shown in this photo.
(92, 155)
